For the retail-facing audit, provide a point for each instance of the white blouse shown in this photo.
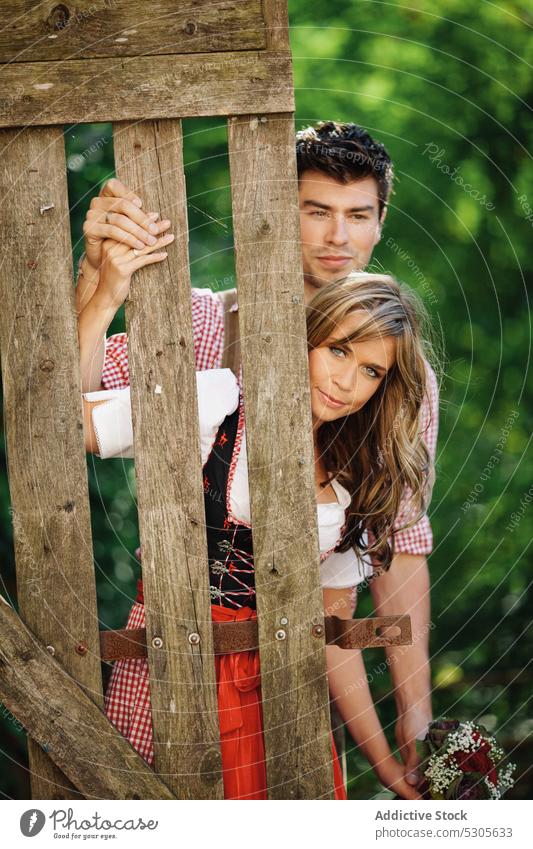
(218, 397)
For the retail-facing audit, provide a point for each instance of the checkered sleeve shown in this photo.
(208, 335)
(418, 539)
(116, 374)
(207, 328)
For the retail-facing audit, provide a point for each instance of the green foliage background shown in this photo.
(455, 75)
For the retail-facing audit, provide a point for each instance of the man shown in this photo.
(344, 183)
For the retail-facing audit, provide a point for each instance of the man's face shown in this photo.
(339, 227)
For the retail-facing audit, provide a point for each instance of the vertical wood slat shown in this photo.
(43, 415)
(280, 456)
(276, 17)
(148, 157)
(277, 32)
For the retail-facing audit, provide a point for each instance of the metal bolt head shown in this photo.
(281, 634)
(51, 649)
(283, 621)
(317, 630)
(157, 643)
(194, 638)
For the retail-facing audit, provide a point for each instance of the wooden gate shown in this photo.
(143, 68)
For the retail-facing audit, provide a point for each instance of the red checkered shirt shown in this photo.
(208, 332)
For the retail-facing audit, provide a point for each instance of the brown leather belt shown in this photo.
(243, 636)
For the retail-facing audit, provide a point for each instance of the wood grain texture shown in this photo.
(43, 414)
(65, 722)
(168, 470)
(145, 87)
(280, 457)
(276, 18)
(105, 28)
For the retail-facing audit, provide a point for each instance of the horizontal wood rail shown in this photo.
(90, 29)
(143, 87)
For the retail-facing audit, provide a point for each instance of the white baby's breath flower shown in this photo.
(442, 769)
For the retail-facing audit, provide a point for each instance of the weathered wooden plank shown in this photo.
(105, 28)
(64, 721)
(43, 412)
(277, 24)
(168, 469)
(280, 457)
(145, 87)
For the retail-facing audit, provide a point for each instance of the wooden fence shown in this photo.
(144, 70)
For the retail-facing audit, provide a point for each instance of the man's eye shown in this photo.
(358, 217)
(320, 213)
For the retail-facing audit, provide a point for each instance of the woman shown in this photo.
(367, 378)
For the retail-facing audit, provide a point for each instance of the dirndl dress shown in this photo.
(238, 677)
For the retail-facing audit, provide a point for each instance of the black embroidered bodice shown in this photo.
(229, 545)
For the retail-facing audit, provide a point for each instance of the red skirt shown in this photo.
(127, 706)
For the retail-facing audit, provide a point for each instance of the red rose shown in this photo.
(475, 762)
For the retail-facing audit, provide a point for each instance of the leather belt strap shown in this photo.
(367, 633)
(243, 636)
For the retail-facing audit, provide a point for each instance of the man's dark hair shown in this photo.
(345, 152)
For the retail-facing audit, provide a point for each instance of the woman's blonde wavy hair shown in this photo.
(378, 452)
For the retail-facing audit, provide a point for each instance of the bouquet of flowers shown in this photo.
(461, 760)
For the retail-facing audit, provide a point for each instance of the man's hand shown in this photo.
(390, 773)
(411, 724)
(116, 214)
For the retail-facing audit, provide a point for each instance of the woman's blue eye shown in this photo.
(371, 371)
(333, 348)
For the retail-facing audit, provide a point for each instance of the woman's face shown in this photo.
(344, 376)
